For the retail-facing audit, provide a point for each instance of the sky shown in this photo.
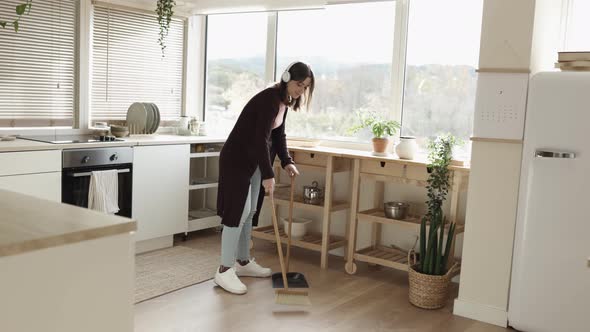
(440, 32)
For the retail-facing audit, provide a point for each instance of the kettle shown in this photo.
(313, 194)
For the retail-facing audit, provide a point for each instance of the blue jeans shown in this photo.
(235, 241)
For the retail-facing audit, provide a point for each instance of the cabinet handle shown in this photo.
(554, 154)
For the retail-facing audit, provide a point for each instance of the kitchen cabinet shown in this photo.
(35, 173)
(204, 176)
(160, 192)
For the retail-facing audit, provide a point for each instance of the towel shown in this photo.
(103, 194)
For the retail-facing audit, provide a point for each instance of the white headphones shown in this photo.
(286, 76)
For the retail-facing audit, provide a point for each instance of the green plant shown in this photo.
(433, 260)
(22, 9)
(165, 11)
(379, 126)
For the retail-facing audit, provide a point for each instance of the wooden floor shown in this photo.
(374, 299)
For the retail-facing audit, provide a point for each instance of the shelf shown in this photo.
(282, 198)
(203, 183)
(385, 256)
(205, 154)
(393, 179)
(311, 241)
(378, 215)
(337, 169)
(202, 219)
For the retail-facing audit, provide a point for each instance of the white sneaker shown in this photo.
(252, 269)
(230, 282)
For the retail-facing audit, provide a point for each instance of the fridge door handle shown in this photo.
(554, 154)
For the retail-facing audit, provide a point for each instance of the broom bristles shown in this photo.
(288, 297)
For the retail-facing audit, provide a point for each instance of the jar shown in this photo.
(407, 147)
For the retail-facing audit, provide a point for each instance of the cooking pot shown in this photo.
(313, 194)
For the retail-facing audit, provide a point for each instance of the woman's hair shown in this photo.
(299, 71)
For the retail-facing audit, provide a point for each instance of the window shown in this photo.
(350, 49)
(128, 67)
(578, 25)
(442, 55)
(38, 65)
(236, 60)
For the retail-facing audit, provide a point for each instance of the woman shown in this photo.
(245, 170)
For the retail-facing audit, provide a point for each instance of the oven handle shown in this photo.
(76, 175)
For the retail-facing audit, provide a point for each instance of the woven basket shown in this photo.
(428, 291)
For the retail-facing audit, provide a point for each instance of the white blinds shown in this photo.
(38, 65)
(127, 63)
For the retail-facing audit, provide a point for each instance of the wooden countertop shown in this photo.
(368, 155)
(28, 224)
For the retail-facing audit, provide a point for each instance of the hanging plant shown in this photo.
(164, 10)
(22, 9)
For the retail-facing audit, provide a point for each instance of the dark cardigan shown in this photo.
(252, 143)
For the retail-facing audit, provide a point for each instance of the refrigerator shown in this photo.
(550, 282)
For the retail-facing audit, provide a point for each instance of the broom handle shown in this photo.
(275, 224)
(290, 221)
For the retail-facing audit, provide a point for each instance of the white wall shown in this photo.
(521, 35)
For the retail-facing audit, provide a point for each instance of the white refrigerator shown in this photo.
(550, 287)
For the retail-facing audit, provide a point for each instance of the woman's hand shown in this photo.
(269, 185)
(291, 170)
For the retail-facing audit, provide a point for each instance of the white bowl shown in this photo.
(298, 229)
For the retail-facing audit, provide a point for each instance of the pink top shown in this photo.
(279, 119)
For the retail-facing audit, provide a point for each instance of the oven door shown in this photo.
(76, 183)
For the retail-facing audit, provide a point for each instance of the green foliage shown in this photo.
(433, 259)
(165, 11)
(20, 10)
(379, 126)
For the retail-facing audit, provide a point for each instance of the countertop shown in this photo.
(29, 224)
(135, 140)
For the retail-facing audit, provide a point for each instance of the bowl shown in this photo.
(396, 210)
(298, 229)
(119, 131)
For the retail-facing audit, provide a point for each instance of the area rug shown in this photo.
(166, 270)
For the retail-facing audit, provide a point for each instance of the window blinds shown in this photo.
(38, 65)
(127, 63)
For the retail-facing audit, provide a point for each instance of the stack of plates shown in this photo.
(143, 118)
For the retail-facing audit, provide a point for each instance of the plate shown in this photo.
(149, 123)
(136, 118)
(157, 116)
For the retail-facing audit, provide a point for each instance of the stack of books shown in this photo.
(573, 61)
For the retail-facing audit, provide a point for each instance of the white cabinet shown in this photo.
(204, 176)
(42, 185)
(35, 173)
(160, 190)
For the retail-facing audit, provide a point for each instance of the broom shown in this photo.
(285, 295)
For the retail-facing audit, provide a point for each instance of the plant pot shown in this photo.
(380, 144)
(428, 291)
(407, 147)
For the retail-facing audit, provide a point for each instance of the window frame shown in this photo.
(398, 66)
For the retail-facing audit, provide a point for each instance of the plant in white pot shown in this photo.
(381, 128)
(430, 277)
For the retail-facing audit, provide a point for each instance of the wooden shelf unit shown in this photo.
(397, 172)
(311, 241)
(329, 164)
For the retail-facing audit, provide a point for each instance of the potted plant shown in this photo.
(21, 9)
(382, 129)
(165, 11)
(430, 277)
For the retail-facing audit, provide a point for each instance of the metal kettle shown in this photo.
(313, 194)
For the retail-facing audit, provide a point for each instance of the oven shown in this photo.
(77, 167)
